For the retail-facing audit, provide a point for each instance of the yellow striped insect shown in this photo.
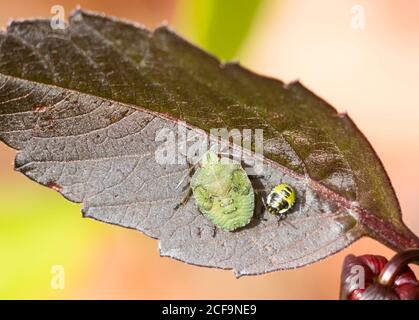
(280, 200)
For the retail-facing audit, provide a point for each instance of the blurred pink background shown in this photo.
(371, 73)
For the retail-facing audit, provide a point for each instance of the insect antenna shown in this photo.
(184, 200)
(188, 174)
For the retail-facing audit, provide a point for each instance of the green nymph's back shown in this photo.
(223, 192)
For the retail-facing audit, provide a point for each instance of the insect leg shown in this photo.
(264, 203)
(191, 167)
(282, 217)
(184, 200)
(214, 231)
(291, 224)
(188, 174)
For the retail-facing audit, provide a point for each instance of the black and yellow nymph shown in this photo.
(280, 200)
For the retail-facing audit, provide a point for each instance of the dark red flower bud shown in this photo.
(371, 277)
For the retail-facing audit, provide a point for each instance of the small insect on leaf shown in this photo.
(223, 192)
(280, 200)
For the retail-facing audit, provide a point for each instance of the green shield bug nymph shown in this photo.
(280, 200)
(223, 192)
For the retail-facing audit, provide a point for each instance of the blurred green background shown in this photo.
(370, 73)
